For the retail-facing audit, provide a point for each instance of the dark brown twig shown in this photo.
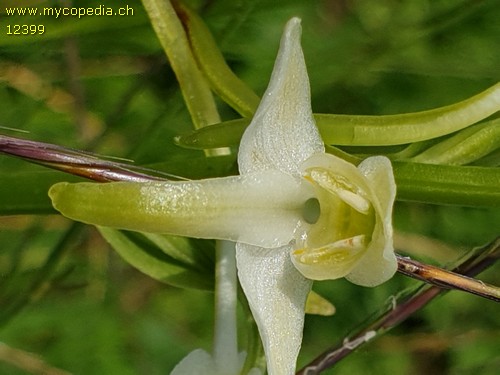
(446, 279)
(71, 161)
(402, 307)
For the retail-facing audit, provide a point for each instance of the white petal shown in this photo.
(379, 262)
(263, 209)
(277, 294)
(283, 132)
(198, 362)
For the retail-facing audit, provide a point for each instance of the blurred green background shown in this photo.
(103, 84)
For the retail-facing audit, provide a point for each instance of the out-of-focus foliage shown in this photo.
(103, 84)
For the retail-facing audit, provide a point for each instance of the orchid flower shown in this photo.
(296, 213)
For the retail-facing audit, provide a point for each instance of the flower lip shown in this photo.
(353, 235)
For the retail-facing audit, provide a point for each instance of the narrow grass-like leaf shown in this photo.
(211, 61)
(149, 259)
(464, 147)
(224, 134)
(447, 184)
(173, 39)
(358, 130)
(179, 248)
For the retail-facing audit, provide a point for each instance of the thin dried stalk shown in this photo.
(71, 161)
(446, 279)
(402, 307)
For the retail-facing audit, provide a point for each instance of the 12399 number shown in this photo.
(25, 29)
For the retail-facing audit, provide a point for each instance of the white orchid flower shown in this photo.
(296, 213)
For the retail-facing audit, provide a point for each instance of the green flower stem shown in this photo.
(464, 147)
(354, 130)
(447, 184)
(211, 61)
(226, 291)
(409, 151)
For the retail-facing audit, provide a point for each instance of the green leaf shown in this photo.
(447, 184)
(464, 147)
(213, 65)
(172, 37)
(356, 130)
(148, 258)
(227, 133)
(181, 249)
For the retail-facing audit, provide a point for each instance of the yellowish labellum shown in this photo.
(341, 252)
(342, 233)
(340, 186)
(331, 261)
(343, 209)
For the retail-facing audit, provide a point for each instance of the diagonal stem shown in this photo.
(71, 161)
(446, 279)
(399, 310)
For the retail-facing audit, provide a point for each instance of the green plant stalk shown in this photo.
(225, 348)
(358, 130)
(194, 86)
(222, 79)
(411, 150)
(447, 184)
(464, 147)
